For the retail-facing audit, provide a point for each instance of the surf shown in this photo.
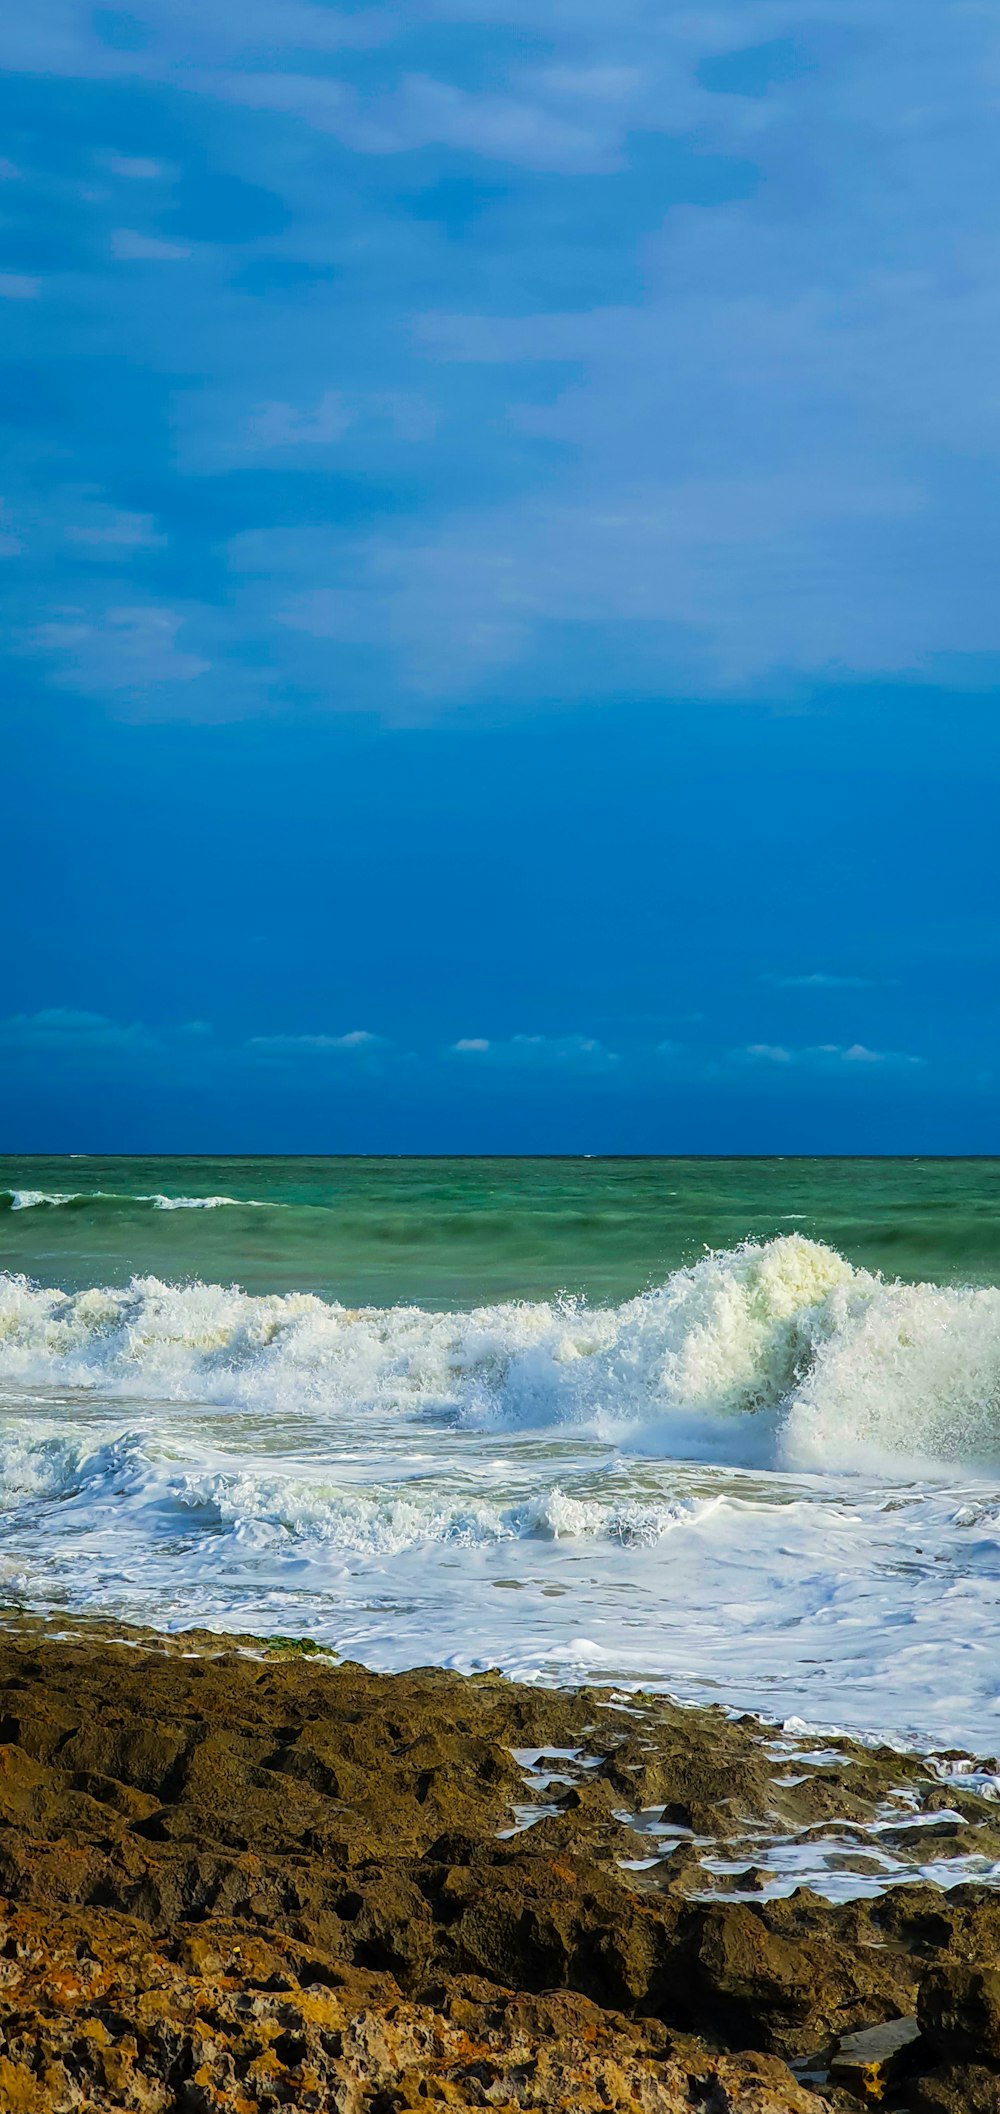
(780, 1349)
(99, 1200)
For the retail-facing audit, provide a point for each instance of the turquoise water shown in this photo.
(728, 1426)
(457, 1233)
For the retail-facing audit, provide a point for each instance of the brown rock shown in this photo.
(240, 1881)
(959, 2011)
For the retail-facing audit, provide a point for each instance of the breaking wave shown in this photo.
(98, 1199)
(781, 1351)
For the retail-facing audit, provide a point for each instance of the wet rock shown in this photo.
(869, 2063)
(247, 1880)
(959, 2009)
(968, 2088)
(789, 1974)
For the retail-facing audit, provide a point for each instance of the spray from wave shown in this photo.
(781, 1350)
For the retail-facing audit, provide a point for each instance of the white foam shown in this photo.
(778, 1353)
(741, 1484)
(198, 1203)
(36, 1199)
(30, 1199)
(388, 1524)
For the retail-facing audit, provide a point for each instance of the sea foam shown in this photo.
(780, 1352)
(96, 1200)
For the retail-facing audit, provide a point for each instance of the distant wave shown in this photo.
(85, 1199)
(773, 1352)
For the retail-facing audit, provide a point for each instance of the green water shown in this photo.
(452, 1233)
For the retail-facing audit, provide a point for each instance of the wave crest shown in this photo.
(97, 1199)
(781, 1344)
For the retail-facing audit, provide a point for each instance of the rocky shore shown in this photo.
(237, 1876)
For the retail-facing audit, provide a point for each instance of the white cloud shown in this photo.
(279, 425)
(58, 1028)
(723, 574)
(820, 980)
(857, 1053)
(769, 442)
(528, 1052)
(18, 286)
(365, 414)
(824, 1054)
(136, 168)
(357, 1039)
(133, 248)
(116, 529)
(757, 465)
(126, 649)
(528, 125)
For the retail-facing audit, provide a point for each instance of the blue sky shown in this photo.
(499, 538)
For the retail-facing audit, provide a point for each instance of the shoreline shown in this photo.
(240, 1874)
(61, 1623)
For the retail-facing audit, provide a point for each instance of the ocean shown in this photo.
(730, 1428)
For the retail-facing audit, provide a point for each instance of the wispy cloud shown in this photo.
(527, 1052)
(857, 1053)
(823, 980)
(403, 415)
(112, 529)
(65, 1032)
(281, 425)
(306, 1046)
(824, 1054)
(125, 649)
(137, 168)
(682, 421)
(532, 128)
(51, 1040)
(132, 247)
(62, 1028)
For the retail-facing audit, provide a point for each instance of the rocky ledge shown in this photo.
(235, 1876)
